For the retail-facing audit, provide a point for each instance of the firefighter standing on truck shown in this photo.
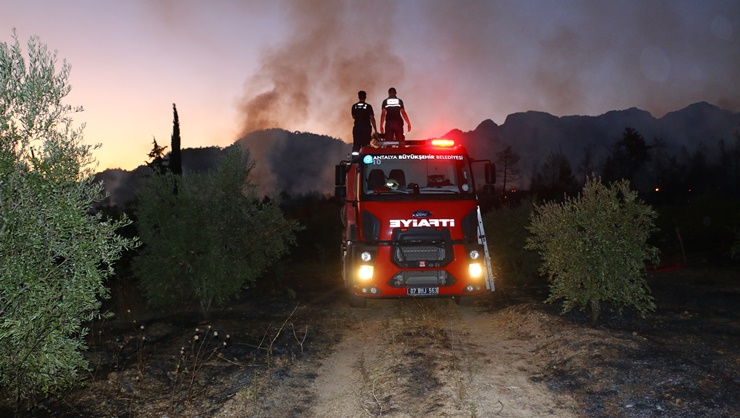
(364, 117)
(392, 117)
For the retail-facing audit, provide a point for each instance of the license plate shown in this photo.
(422, 291)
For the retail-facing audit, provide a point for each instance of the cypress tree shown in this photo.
(175, 155)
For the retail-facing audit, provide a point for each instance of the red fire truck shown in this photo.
(412, 224)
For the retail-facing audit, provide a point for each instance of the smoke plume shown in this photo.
(311, 81)
(456, 64)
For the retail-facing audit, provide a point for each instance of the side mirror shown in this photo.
(340, 175)
(490, 173)
(340, 181)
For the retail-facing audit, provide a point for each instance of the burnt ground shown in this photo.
(509, 355)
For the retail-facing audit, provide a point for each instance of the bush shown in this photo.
(594, 248)
(54, 256)
(207, 236)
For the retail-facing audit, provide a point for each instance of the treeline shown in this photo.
(695, 195)
(659, 177)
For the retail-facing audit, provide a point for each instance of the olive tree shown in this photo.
(594, 248)
(211, 239)
(54, 255)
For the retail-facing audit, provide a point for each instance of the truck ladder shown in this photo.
(487, 260)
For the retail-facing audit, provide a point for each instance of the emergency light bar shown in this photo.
(437, 142)
(442, 142)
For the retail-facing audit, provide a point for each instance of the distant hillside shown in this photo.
(534, 135)
(302, 162)
(121, 185)
(294, 162)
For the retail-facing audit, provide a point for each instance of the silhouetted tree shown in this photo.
(507, 162)
(629, 155)
(667, 175)
(729, 155)
(725, 165)
(587, 166)
(701, 175)
(554, 179)
(158, 162)
(176, 155)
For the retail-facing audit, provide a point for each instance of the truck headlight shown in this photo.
(365, 273)
(366, 256)
(475, 270)
(474, 254)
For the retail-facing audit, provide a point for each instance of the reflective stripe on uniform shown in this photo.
(392, 102)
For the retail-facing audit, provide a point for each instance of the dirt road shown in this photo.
(516, 358)
(413, 358)
(416, 358)
(508, 356)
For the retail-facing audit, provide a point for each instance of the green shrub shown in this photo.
(211, 239)
(54, 256)
(594, 248)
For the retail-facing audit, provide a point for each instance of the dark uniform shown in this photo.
(362, 131)
(393, 119)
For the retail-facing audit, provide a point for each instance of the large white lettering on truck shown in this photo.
(421, 223)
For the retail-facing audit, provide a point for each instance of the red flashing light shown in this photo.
(441, 142)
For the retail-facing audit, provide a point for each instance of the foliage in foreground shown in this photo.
(54, 256)
(207, 236)
(594, 248)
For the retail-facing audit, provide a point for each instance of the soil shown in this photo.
(508, 355)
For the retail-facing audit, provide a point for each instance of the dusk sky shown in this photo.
(236, 66)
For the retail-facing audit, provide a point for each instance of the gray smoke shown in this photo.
(477, 60)
(312, 80)
(583, 57)
(565, 58)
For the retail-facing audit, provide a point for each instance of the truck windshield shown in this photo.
(417, 174)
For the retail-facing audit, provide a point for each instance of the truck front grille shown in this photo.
(422, 247)
(404, 253)
(430, 278)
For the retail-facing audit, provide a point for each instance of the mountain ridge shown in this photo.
(303, 162)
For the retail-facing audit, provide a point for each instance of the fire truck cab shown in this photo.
(412, 226)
